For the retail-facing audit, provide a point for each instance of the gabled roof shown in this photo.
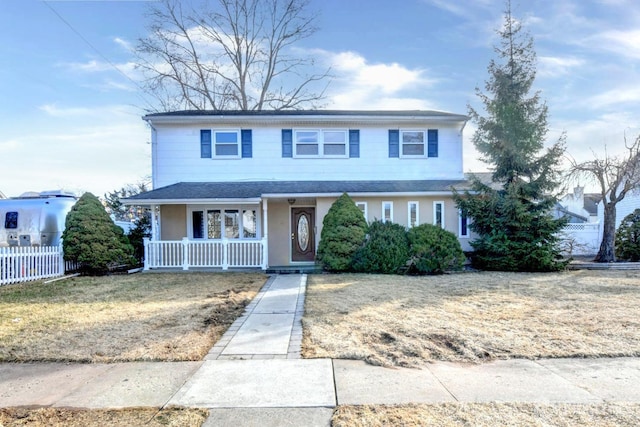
(185, 192)
(591, 201)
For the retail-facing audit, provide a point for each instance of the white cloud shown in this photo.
(615, 97)
(125, 44)
(361, 85)
(554, 66)
(624, 43)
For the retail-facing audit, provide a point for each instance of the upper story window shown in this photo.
(413, 143)
(320, 143)
(225, 143)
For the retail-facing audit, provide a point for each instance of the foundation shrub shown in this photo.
(386, 249)
(433, 250)
(343, 232)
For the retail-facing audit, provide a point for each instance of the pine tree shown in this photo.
(512, 215)
(92, 239)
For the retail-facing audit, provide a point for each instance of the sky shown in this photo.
(71, 103)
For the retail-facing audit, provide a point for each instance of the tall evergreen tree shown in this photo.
(512, 214)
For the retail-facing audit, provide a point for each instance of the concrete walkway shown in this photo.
(255, 376)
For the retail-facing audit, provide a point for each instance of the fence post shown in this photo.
(61, 258)
(185, 253)
(225, 254)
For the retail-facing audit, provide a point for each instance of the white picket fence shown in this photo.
(26, 263)
(223, 253)
(581, 238)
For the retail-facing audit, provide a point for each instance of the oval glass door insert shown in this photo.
(303, 232)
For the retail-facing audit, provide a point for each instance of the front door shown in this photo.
(303, 245)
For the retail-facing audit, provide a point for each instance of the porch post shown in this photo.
(154, 223)
(185, 253)
(265, 234)
(146, 253)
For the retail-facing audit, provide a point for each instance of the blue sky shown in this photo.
(70, 108)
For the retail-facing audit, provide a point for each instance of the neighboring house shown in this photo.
(579, 206)
(251, 188)
(630, 203)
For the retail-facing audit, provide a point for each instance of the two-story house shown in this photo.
(251, 188)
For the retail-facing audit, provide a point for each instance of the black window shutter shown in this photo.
(394, 143)
(205, 144)
(247, 149)
(287, 143)
(432, 139)
(354, 143)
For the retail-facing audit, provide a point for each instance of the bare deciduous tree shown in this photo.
(615, 176)
(230, 54)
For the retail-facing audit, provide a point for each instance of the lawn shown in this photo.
(152, 417)
(472, 317)
(140, 317)
(488, 415)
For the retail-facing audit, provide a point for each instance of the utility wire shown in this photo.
(107, 60)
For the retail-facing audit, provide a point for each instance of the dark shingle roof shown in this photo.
(257, 189)
(278, 113)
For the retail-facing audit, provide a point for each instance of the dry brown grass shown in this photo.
(489, 415)
(49, 417)
(151, 317)
(472, 317)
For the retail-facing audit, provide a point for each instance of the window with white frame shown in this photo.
(320, 143)
(463, 224)
(213, 223)
(363, 208)
(412, 214)
(412, 143)
(387, 211)
(226, 143)
(438, 214)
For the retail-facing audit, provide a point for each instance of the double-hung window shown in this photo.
(226, 143)
(363, 208)
(412, 143)
(220, 143)
(413, 214)
(438, 214)
(11, 220)
(320, 143)
(387, 211)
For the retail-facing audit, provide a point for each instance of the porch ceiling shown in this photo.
(253, 192)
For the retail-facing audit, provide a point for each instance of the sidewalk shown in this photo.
(254, 376)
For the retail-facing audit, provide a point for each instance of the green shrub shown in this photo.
(386, 249)
(433, 250)
(137, 235)
(92, 240)
(628, 238)
(343, 232)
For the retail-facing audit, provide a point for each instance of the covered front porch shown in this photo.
(231, 233)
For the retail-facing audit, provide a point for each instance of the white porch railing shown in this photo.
(224, 254)
(26, 263)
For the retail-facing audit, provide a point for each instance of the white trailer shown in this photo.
(34, 219)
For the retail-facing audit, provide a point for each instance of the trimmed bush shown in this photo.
(92, 239)
(343, 232)
(433, 250)
(386, 249)
(628, 238)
